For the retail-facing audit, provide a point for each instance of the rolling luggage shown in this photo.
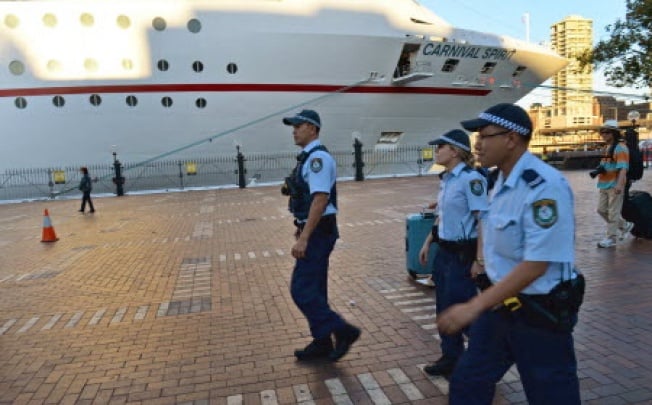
(417, 228)
(638, 209)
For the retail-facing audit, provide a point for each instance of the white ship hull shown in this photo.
(289, 55)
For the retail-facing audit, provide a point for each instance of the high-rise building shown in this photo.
(572, 96)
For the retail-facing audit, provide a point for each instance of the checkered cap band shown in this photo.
(454, 142)
(306, 119)
(494, 119)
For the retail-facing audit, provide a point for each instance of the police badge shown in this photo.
(476, 187)
(545, 212)
(316, 165)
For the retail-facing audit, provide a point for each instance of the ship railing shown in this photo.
(199, 172)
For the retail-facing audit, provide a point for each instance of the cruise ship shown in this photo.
(148, 79)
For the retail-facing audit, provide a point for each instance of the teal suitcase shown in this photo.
(417, 228)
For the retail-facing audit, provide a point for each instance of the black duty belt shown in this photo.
(327, 222)
(458, 246)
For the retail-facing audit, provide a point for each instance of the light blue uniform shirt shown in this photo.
(530, 222)
(460, 192)
(320, 172)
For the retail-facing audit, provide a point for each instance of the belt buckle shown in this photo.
(512, 303)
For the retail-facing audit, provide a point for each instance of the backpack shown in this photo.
(635, 171)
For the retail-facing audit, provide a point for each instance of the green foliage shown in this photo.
(627, 55)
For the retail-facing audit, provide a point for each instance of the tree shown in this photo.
(627, 55)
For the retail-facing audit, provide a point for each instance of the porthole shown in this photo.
(159, 24)
(194, 26)
(54, 65)
(127, 64)
(95, 99)
(162, 65)
(11, 21)
(50, 20)
(58, 101)
(90, 65)
(200, 102)
(123, 22)
(20, 102)
(232, 68)
(87, 20)
(167, 102)
(16, 67)
(132, 101)
(197, 66)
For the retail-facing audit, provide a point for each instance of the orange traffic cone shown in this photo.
(48, 229)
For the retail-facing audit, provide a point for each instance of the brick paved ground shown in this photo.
(183, 298)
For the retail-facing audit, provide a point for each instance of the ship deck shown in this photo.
(183, 298)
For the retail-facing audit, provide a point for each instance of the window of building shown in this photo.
(197, 66)
(159, 24)
(11, 21)
(58, 101)
(50, 20)
(166, 101)
(200, 102)
(16, 67)
(132, 101)
(194, 25)
(518, 71)
(232, 68)
(20, 102)
(450, 65)
(87, 20)
(162, 65)
(123, 22)
(95, 99)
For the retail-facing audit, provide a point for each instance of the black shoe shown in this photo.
(82, 211)
(344, 338)
(442, 367)
(92, 211)
(317, 349)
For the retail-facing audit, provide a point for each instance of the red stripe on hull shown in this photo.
(175, 88)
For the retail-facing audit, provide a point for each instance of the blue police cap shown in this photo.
(506, 115)
(456, 137)
(309, 116)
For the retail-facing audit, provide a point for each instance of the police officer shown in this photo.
(462, 196)
(313, 202)
(528, 247)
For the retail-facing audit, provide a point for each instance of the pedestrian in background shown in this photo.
(313, 202)
(612, 180)
(461, 199)
(86, 186)
(527, 315)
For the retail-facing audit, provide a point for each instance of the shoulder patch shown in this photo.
(476, 187)
(545, 212)
(316, 165)
(532, 178)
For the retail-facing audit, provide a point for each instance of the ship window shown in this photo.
(50, 20)
(123, 22)
(194, 26)
(90, 65)
(518, 71)
(197, 66)
(389, 138)
(159, 24)
(58, 101)
(95, 99)
(166, 101)
(450, 65)
(232, 68)
(87, 20)
(16, 67)
(20, 102)
(488, 67)
(200, 102)
(163, 65)
(11, 21)
(54, 65)
(127, 64)
(132, 101)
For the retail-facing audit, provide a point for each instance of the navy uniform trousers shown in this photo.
(545, 361)
(309, 285)
(453, 285)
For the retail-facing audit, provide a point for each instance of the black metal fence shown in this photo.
(62, 182)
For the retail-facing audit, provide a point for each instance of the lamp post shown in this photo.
(118, 180)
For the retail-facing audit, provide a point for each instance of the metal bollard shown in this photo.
(241, 168)
(118, 180)
(358, 162)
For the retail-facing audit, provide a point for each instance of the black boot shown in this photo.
(317, 349)
(442, 367)
(344, 338)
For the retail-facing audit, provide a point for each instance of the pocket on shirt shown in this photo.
(507, 239)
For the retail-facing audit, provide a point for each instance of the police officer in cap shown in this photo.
(527, 315)
(462, 197)
(313, 202)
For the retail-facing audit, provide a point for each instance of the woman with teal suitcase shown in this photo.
(462, 198)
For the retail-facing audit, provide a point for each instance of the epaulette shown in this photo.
(467, 168)
(442, 174)
(532, 178)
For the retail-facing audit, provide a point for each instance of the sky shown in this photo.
(506, 17)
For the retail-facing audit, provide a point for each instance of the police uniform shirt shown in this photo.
(461, 192)
(319, 171)
(530, 218)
